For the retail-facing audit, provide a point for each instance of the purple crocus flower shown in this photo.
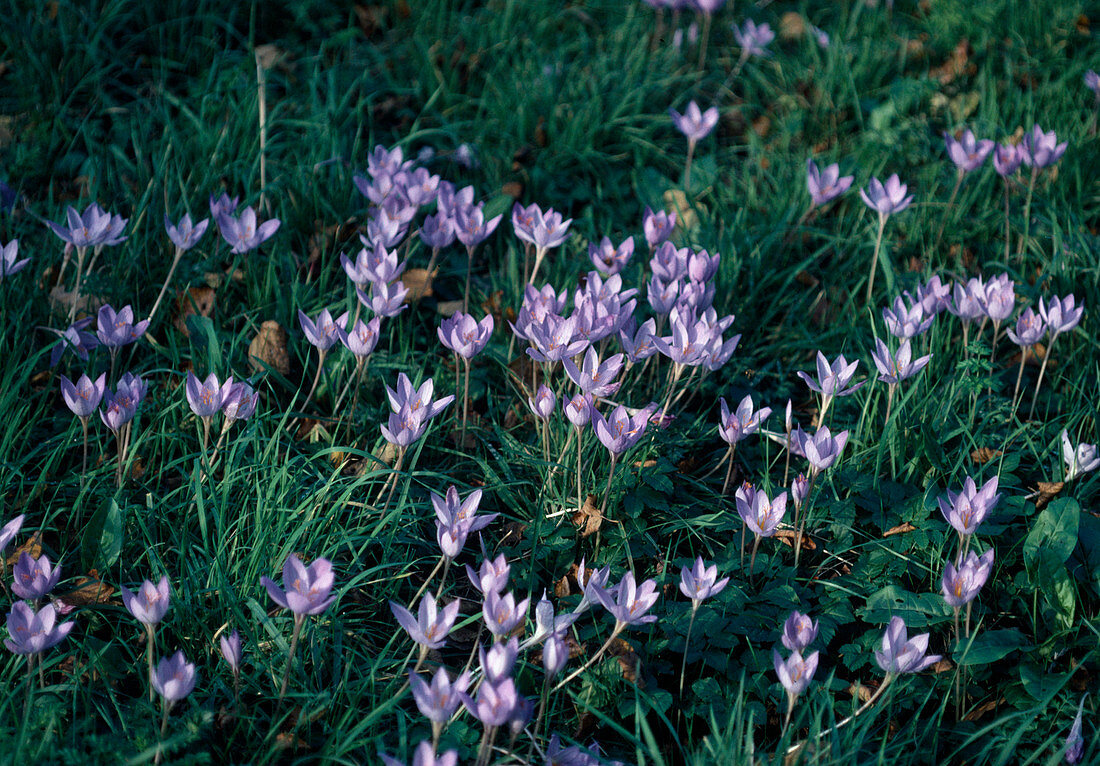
(33, 632)
(934, 296)
(555, 655)
(619, 431)
(498, 660)
(961, 585)
(693, 123)
(387, 162)
(230, 647)
(115, 329)
(464, 335)
(186, 235)
(595, 377)
(968, 153)
(554, 339)
(999, 299)
(550, 230)
(223, 205)
(735, 426)
(424, 755)
(1041, 150)
(1007, 159)
(967, 300)
(433, 625)
(895, 368)
(1030, 328)
(795, 673)
(825, 185)
(822, 449)
(629, 601)
(906, 322)
(404, 427)
(420, 186)
(322, 332)
(95, 227)
(495, 702)
(888, 198)
(8, 264)
(502, 614)
(1080, 459)
(638, 344)
(967, 509)
(458, 518)
(241, 402)
(438, 700)
(208, 397)
(119, 408)
(543, 403)
(243, 233)
(1061, 314)
(362, 338)
(1075, 741)
(492, 576)
(760, 514)
(799, 631)
(832, 379)
(174, 678)
(1092, 82)
(700, 582)
(84, 396)
(416, 400)
(438, 231)
(150, 603)
(609, 259)
(75, 337)
(578, 410)
(307, 588)
(669, 263)
(657, 226)
(33, 578)
(903, 655)
(752, 39)
(9, 531)
(471, 228)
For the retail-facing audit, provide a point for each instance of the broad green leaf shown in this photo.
(1040, 684)
(988, 646)
(917, 609)
(102, 541)
(1054, 529)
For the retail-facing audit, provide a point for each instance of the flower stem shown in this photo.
(1026, 237)
(150, 639)
(316, 378)
(167, 281)
(687, 166)
(1042, 370)
(469, 268)
(619, 626)
(299, 621)
(687, 644)
(1008, 230)
(947, 212)
(874, 258)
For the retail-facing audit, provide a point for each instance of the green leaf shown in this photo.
(917, 609)
(102, 542)
(1040, 684)
(988, 646)
(1055, 529)
(204, 336)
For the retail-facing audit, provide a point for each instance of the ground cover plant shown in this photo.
(549, 383)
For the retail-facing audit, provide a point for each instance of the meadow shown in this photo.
(558, 383)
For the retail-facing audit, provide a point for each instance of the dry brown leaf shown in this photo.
(787, 536)
(513, 189)
(986, 707)
(418, 282)
(588, 518)
(900, 529)
(1048, 490)
(957, 64)
(762, 125)
(676, 201)
(269, 347)
(89, 591)
(196, 300)
(628, 659)
(562, 587)
(791, 26)
(286, 740)
(63, 300)
(1082, 24)
(370, 18)
(983, 455)
(448, 308)
(268, 55)
(943, 666)
(33, 548)
(806, 279)
(649, 463)
(513, 532)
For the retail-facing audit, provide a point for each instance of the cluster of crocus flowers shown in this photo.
(736, 425)
(796, 672)
(235, 400)
(413, 408)
(760, 513)
(95, 228)
(538, 230)
(967, 509)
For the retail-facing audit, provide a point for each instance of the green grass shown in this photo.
(148, 109)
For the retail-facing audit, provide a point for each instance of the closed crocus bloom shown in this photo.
(150, 603)
(502, 614)
(231, 651)
(174, 677)
(555, 655)
(241, 402)
(800, 488)
(967, 509)
(464, 335)
(207, 397)
(424, 755)
(322, 332)
(1061, 314)
(243, 234)
(10, 530)
(619, 431)
(825, 185)
(578, 410)
(497, 662)
(8, 264)
(669, 263)
(33, 632)
(186, 235)
(438, 231)
(1040, 149)
(34, 578)
(307, 588)
(404, 427)
(437, 701)
(795, 673)
(799, 631)
(900, 654)
(84, 396)
(1007, 159)
(735, 426)
(362, 338)
(609, 259)
(694, 123)
(961, 585)
(1092, 82)
(495, 702)
(968, 153)
(1080, 459)
(657, 226)
(822, 449)
(116, 329)
(761, 514)
(1075, 741)
(492, 576)
(999, 300)
(888, 198)
(431, 626)
(471, 228)
(699, 582)
(119, 408)
(1030, 328)
(223, 205)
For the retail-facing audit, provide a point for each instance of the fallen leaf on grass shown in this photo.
(448, 308)
(269, 347)
(986, 707)
(676, 201)
(943, 666)
(791, 26)
(787, 537)
(1048, 490)
(983, 455)
(588, 518)
(89, 591)
(628, 660)
(900, 529)
(418, 282)
(33, 548)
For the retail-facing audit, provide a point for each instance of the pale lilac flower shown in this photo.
(1041, 150)
(84, 396)
(669, 263)
(700, 582)
(464, 335)
(800, 488)
(832, 379)
(638, 344)
(820, 36)
(799, 631)
(420, 186)
(609, 259)
(307, 588)
(825, 185)
(424, 755)
(438, 231)
(578, 410)
(223, 205)
(900, 654)
(1030, 328)
(416, 400)
(543, 403)
(322, 332)
(495, 702)
(968, 153)
(502, 614)
(471, 228)
(760, 514)
(241, 402)
(895, 368)
(209, 396)
(231, 651)
(693, 123)
(554, 339)
(10, 530)
(523, 221)
(906, 322)
(1075, 741)
(243, 234)
(75, 337)
(492, 576)
(174, 677)
(735, 426)
(961, 585)
(934, 296)
(33, 578)
(1007, 159)
(362, 338)
(438, 700)
(1092, 82)
(33, 632)
(433, 625)
(120, 407)
(822, 449)
(550, 230)
(8, 264)
(95, 227)
(752, 39)
(555, 655)
(404, 427)
(1061, 314)
(466, 156)
(657, 226)
(795, 673)
(629, 602)
(150, 603)
(999, 299)
(498, 660)
(451, 511)
(386, 299)
(546, 623)
(888, 198)
(186, 235)
(967, 509)
(382, 161)
(619, 431)
(967, 300)
(595, 377)
(116, 329)
(1079, 460)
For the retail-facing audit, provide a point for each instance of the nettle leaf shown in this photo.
(917, 609)
(988, 646)
(1055, 530)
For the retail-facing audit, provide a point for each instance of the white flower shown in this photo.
(1080, 460)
